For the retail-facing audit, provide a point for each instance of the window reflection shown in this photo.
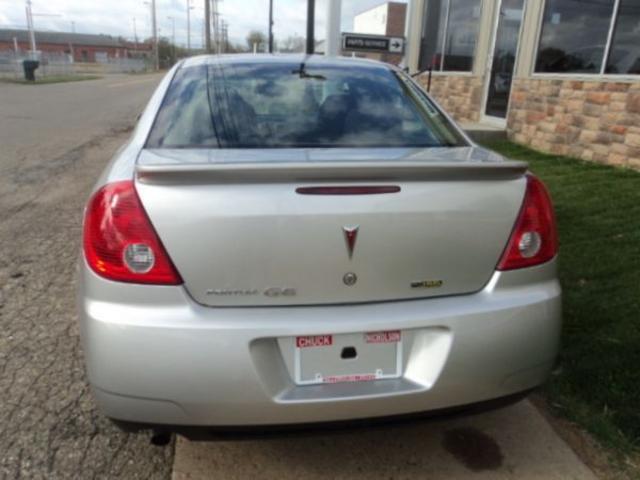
(450, 34)
(433, 35)
(624, 57)
(184, 119)
(464, 23)
(574, 36)
(504, 57)
(286, 105)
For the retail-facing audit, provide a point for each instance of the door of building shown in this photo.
(502, 62)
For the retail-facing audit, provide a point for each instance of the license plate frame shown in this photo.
(318, 358)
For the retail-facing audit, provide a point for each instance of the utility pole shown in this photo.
(225, 36)
(207, 25)
(216, 25)
(73, 30)
(173, 37)
(32, 33)
(135, 34)
(154, 26)
(311, 20)
(270, 26)
(334, 11)
(189, 7)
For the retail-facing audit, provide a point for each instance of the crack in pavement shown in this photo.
(49, 426)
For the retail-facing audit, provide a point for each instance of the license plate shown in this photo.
(353, 357)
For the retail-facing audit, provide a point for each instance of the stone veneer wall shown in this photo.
(592, 120)
(459, 95)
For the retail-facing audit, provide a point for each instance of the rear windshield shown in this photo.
(287, 105)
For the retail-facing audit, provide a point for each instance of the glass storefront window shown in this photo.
(576, 37)
(450, 34)
(624, 55)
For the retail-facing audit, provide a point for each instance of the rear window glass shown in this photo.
(287, 105)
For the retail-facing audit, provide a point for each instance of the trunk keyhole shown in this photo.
(348, 353)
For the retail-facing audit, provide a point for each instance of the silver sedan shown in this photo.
(292, 240)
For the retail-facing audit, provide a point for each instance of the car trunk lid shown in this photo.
(241, 232)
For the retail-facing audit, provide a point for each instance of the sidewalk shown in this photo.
(512, 443)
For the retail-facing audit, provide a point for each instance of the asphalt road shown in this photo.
(54, 140)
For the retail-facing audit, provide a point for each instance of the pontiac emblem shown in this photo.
(350, 237)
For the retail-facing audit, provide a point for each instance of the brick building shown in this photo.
(81, 47)
(385, 19)
(562, 76)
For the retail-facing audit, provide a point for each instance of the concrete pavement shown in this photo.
(511, 443)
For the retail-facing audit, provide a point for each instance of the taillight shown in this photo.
(534, 239)
(120, 243)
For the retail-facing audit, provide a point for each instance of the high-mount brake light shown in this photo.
(120, 243)
(534, 239)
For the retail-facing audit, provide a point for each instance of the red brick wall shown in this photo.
(396, 19)
(395, 28)
(396, 16)
(112, 52)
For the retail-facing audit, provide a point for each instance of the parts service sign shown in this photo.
(356, 42)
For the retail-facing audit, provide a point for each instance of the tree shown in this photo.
(292, 44)
(256, 37)
(236, 48)
(170, 53)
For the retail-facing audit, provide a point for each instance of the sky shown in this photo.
(116, 17)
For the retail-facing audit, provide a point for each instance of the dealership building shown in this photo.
(561, 76)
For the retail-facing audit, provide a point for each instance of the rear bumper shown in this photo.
(154, 356)
(244, 432)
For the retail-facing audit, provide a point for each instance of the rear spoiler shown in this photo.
(328, 172)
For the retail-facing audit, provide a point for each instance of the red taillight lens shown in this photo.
(119, 241)
(534, 239)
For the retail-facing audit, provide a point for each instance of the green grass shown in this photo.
(598, 212)
(51, 79)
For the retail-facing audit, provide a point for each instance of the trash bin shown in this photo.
(30, 67)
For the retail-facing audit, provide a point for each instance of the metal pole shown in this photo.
(188, 25)
(32, 33)
(135, 34)
(216, 25)
(412, 33)
(173, 38)
(311, 20)
(155, 34)
(224, 39)
(334, 10)
(207, 25)
(270, 26)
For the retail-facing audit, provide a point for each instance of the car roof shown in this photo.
(288, 58)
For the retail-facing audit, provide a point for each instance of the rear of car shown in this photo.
(296, 240)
